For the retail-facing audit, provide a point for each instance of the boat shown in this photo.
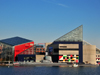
(16, 63)
(75, 65)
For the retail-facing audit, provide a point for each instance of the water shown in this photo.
(49, 70)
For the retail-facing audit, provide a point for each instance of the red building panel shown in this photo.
(29, 51)
(20, 48)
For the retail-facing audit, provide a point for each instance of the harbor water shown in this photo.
(48, 70)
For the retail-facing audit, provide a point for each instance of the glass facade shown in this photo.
(26, 58)
(29, 59)
(6, 54)
(75, 35)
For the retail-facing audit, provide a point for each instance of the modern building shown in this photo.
(98, 55)
(71, 49)
(40, 52)
(17, 49)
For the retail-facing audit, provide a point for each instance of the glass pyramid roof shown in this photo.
(75, 35)
(15, 41)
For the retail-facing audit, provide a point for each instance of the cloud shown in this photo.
(54, 2)
(62, 5)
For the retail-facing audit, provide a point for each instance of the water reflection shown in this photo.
(49, 70)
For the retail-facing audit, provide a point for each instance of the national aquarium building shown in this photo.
(70, 48)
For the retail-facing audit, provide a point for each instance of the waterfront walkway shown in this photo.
(44, 64)
(52, 64)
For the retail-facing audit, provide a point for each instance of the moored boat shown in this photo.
(75, 65)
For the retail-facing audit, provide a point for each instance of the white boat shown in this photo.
(16, 63)
(75, 65)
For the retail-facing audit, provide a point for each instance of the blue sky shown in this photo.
(46, 20)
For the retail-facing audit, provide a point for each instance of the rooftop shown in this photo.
(15, 41)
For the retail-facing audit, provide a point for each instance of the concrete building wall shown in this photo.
(68, 52)
(89, 54)
(69, 46)
(39, 58)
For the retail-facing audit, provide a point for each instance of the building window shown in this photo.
(37, 49)
(40, 49)
(63, 46)
(98, 55)
(56, 50)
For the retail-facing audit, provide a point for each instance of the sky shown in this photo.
(46, 20)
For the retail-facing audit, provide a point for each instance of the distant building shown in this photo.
(40, 52)
(0, 49)
(98, 55)
(0, 52)
(39, 48)
(17, 49)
